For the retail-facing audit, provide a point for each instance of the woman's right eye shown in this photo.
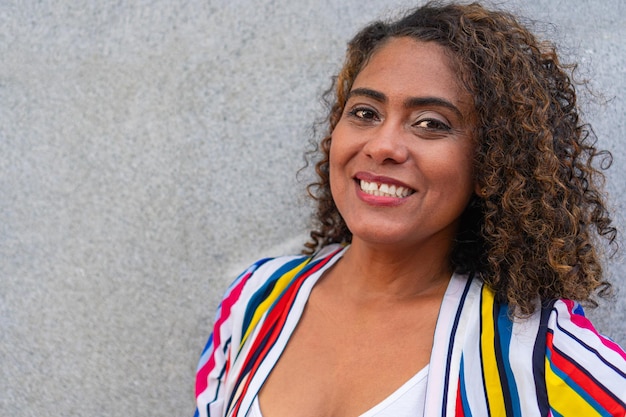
(363, 113)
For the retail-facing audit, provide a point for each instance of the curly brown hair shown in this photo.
(536, 228)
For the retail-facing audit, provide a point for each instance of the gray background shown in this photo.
(149, 151)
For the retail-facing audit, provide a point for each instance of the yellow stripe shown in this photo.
(563, 399)
(281, 284)
(490, 367)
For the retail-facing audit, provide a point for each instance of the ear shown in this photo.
(479, 190)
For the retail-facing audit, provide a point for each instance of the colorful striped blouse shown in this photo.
(483, 363)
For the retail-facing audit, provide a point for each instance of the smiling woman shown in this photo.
(458, 217)
(407, 123)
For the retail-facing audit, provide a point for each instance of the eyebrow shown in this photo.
(409, 103)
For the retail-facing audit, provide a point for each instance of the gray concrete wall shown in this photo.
(148, 151)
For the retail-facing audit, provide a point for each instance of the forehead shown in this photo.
(404, 66)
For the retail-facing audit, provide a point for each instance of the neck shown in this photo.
(393, 274)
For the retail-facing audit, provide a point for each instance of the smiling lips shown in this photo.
(385, 190)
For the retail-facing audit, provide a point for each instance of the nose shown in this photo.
(386, 144)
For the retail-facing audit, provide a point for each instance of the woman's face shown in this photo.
(401, 154)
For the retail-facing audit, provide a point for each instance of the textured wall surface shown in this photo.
(148, 151)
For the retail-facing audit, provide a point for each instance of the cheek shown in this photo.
(344, 145)
(338, 169)
(454, 170)
(465, 176)
(337, 155)
(333, 166)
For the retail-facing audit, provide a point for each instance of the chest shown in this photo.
(342, 362)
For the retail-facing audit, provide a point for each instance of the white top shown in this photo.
(406, 401)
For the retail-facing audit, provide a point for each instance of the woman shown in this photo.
(459, 213)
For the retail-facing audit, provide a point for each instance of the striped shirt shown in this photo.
(483, 363)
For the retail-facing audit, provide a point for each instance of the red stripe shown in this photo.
(274, 323)
(574, 373)
(459, 403)
(584, 323)
(202, 375)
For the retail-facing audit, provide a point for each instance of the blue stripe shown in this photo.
(577, 388)
(466, 408)
(206, 353)
(578, 309)
(505, 328)
(265, 290)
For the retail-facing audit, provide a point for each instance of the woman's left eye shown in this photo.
(432, 124)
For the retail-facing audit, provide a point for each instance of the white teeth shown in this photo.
(385, 190)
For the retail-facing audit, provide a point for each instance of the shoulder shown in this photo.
(261, 278)
(258, 274)
(570, 330)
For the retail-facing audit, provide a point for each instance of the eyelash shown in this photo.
(355, 113)
(440, 125)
